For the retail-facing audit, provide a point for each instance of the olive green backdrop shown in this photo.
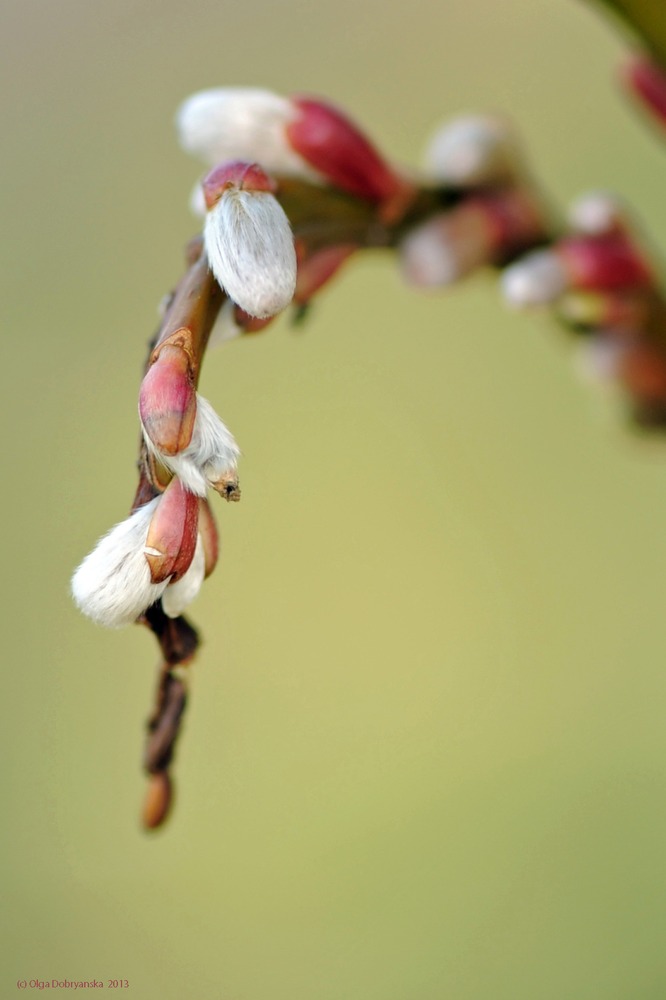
(426, 755)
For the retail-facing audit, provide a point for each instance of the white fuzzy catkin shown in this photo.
(112, 585)
(211, 454)
(237, 123)
(596, 213)
(536, 279)
(178, 595)
(250, 248)
(597, 358)
(473, 149)
(429, 256)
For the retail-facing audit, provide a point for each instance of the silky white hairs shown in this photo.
(250, 248)
(211, 454)
(178, 595)
(112, 585)
(238, 123)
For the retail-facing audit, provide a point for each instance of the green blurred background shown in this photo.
(425, 754)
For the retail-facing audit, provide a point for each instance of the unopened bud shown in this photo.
(167, 400)
(597, 213)
(158, 800)
(536, 279)
(603, 263)
(473, 150)
(235, 175)
(332, 144)
(249, 242)
(172, 535)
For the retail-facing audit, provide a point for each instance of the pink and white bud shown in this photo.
(172, 535)
(301, 137)
(597, 213)
(603, 263)
(473, 150)
(536, 279)
(248, 239)
(167, 400)
(439, 252)
(480, 230)
(229, 123)
(113, 584)
(210, 459)
(180, 593)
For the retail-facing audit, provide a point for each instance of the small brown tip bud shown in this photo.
(228, 488)
(158, 800)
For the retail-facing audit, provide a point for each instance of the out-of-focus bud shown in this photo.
(648, 82)
(209, 536)
(479, 231)
(158, 800)
(211, 457)
(229, 123)
(473, 150)
(535, 279)
(180, 593)
(167, 400)
(603, 263)
(598, 357)
(248, 239)
(316, 269)
(172, 535)
(113, 584)
(597, 213)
